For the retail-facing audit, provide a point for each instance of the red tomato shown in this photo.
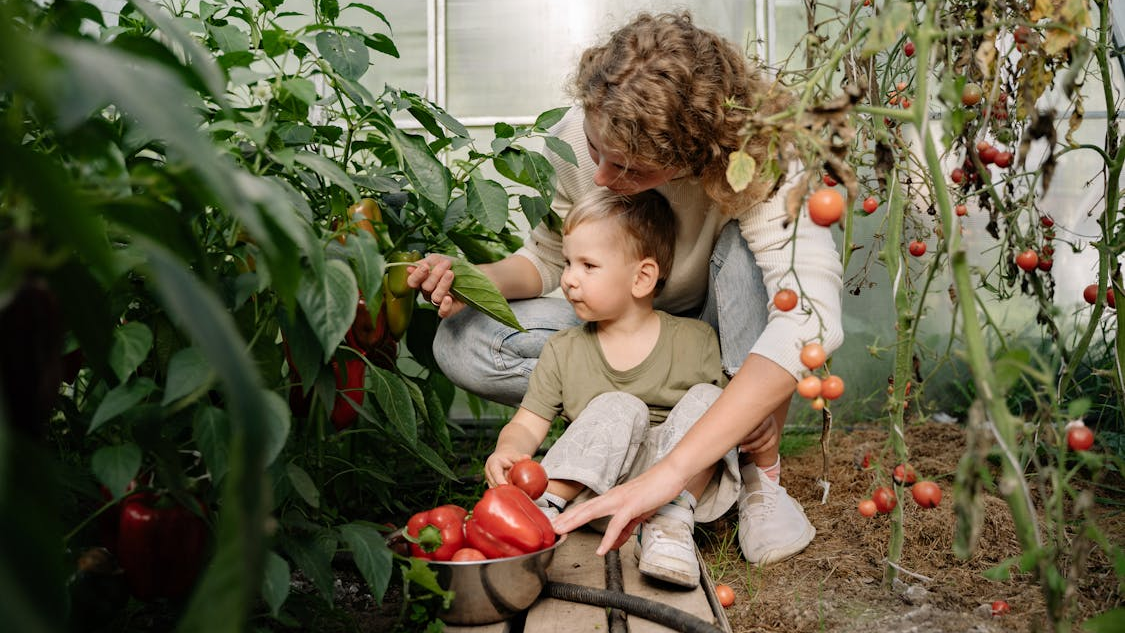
(884, 499)
(826, 206)
(1045, 263)
(1090, 294)
(809, 387)
(908, 49)
(1000, 607)
(725, 595)
(988, 154)
(867, 508)
(917, 248)
(529, 476)
(957, 175)
(926, 494)
(1079, 437)
(813, 355)
(1003, 159)
(830, 181)
(1028, 260)
(903, 474)
(467, 554)
(1047, 221)
(870, 204)
(785, 300)
(832, 387)
(971, 94)
(961, 210)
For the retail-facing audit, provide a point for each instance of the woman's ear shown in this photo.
(644, 282)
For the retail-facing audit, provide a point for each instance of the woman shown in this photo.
(654, 112)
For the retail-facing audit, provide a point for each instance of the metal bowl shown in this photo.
(490, 591)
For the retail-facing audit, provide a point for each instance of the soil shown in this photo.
(838, 582)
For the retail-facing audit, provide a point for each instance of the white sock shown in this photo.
(773, 472)
(553, 500)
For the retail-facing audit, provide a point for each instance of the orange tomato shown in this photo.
(813, 355)
(809, 387)
(785, 300)
(832, 387)
(725, 595)
(826, 206)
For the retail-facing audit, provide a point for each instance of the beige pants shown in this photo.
(612, 441)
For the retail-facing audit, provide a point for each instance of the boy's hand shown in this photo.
(499, 463)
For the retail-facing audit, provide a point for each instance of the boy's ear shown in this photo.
(644, 282)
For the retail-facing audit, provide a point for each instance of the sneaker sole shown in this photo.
(668, 575)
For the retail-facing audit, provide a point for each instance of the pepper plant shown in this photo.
(199, 208)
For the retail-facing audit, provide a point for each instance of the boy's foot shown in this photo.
(771, 524)
(551, 507)
(666, 549)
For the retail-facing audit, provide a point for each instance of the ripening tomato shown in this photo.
(961, 210)
(884, 499)
(1000, 607)
(1090, 294)
(867, 508)
(813, 355)
(725, 595)
(957, 175)
(785, 300)
(529, 476)
(1045, 263)
(826, 206)
(809, 387)
(817, 404)
(832, 387)
(1047, 221)
(830, 181)
(917, 248)
(1003, 159)
(1027, 260)
(971, 94)
(468, 554)
(1079, 437)
(870, 204)
(988, 154)
(926, 494)
(904, 474)
(908, 49)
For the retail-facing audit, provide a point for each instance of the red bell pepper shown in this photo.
(436, 534)
(349, 382)
(506, 522)
(161, 546)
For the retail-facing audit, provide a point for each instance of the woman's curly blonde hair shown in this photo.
(662, 90)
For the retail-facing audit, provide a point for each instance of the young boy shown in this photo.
(629, 382)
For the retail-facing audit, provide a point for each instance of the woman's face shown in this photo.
(619, 173)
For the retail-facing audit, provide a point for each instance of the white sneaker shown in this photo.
(771, 524)
(666, 549)
(549, 509)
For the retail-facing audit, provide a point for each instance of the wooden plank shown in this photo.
(692, 601)
(575, 562)
(499, 627)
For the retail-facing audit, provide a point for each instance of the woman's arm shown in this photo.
(755, 391)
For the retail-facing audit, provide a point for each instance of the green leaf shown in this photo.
(364, 7)
(188, 372)
(371, 554)
(540, 174)
(534, 209)
(328, 302)
(229, 38)
(298, 88)
(394, 399)
(328, 170)
(1003, 571)
(202, 62)
(314, 561)
(1111, 621)
(550, 118)
(120, 399)
(487, 201)
(275, 582)
(303, 484)
(276, 429)
(116, 466)
(1077, 408)
(425, 172)
(432, 459)
(131, 345)
(562, 149)
(419, 573)
(211, 432)
(472, 287)
(740, 170)
(345, 52)
(1010, 366)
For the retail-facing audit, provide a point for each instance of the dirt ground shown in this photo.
(837, 584)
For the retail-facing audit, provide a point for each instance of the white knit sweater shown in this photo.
(785, 255)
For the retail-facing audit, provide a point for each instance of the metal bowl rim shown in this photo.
(472, 563)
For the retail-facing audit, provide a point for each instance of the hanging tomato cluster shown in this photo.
(812, 387)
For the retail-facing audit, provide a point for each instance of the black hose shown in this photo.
(658, 612)
(614, 581)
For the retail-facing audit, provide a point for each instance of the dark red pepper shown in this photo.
(506, 522)
(436, 534)
(349, 385)
(161, 545)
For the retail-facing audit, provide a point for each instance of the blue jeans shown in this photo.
(494, 361)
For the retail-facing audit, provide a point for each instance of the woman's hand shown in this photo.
(498, 464)
(629, 504)
(433, 276)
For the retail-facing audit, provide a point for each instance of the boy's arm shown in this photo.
(519, 439)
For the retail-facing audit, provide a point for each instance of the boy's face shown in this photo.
(600, 270)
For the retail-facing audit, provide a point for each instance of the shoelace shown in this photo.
(763, 507)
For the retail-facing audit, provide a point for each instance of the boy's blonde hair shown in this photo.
(673, 95)
(645, 220)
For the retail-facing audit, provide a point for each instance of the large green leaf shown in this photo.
(276, 429)
(188, 372)
(345, 52)
(131, 345)
(430, 178)
(303, 484)
(116, 466)
(202, 63)
(472, 287)
(314, 561)
(394, 399)
(328, 170)
(120, 399)
(371, 554)
(211, 432)
(328, 302)
(368, 264)
(487, 202)
(275, 582)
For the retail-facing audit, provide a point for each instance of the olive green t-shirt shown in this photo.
(572, 370)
